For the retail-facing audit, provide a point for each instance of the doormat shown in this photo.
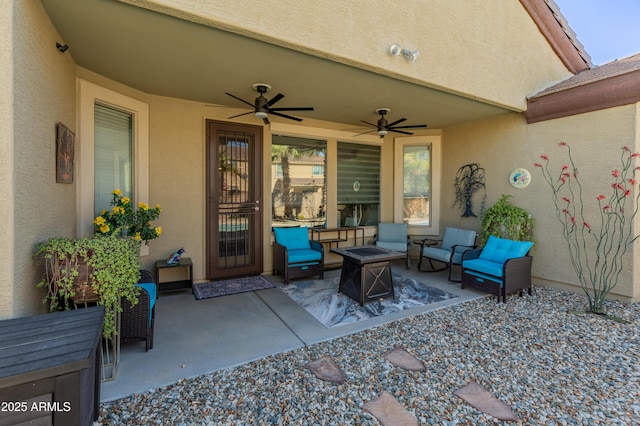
(231, 286)
(321, 299)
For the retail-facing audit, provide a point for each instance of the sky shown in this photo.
(608, 29)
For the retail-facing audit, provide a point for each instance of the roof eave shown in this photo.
(557, 38)
(623, 89)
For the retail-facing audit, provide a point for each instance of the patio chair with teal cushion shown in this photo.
(393, 236)
(502, 267)
(137, 322)
(295, 256)
(448, 251)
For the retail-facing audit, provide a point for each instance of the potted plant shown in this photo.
(103, 268)
(99, 269)
(124, 219)
(505, 220)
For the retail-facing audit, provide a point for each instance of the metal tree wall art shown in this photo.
(469, 180)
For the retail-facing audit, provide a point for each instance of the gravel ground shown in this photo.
(550, 366)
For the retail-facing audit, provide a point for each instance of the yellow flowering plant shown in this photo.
(124, 218)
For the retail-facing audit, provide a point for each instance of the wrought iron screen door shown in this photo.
(234, 200)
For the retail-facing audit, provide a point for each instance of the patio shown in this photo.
(549, 366)
(197, 337)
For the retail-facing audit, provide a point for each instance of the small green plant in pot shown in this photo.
(504, 220)
(100, 269)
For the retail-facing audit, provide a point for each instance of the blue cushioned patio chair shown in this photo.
(393, 236)
(137, 322)
(295, 256)
(449, 250)
(502, 267)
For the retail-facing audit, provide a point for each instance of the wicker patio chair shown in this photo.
(137, 323)
(295, 256)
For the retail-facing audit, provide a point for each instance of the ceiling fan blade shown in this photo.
(275, 99)
(241, 100)
(292, 109)
(400, 131)
(396, 122)
(240, 115)
(416, 126)
(370, 124)
(364, 133)
(290, 117)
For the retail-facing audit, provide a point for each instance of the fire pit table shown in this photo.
(366, 272)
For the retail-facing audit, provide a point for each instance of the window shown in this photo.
(417, 174)
(298, 189)
(358, 184)
(113, 158)
(416, 184)
(317, 170)
(133, 172)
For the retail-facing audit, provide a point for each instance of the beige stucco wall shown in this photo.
(6, 154)
(41, 86)
(463, 45)
(505, 143)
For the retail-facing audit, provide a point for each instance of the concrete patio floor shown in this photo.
(195, 337)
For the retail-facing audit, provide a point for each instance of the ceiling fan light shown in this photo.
(261, 114)
(382, 132)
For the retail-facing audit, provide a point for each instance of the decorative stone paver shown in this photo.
(389, 412)
(403, 359)
(326, 369)
(481, 399)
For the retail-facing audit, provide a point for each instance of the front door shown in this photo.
(234, 200)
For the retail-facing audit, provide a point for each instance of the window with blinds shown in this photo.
(358, 184)
(113, 151)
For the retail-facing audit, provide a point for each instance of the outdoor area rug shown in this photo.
(321, 299)
(232, 286)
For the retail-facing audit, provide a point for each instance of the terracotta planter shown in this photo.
(81, 285)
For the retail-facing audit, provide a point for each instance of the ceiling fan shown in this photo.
(383, 126)
(262, 106)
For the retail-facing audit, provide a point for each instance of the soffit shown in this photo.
(167, 56)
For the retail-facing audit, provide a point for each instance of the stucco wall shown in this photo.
(6, 153)
(43, 94)
(462, 44)
(507, 142)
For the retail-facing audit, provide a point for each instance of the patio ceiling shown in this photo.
(167, 56)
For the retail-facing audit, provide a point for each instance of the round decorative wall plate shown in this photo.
(356, 186)
(520, 178)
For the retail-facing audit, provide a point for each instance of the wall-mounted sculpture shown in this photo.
(469, 180)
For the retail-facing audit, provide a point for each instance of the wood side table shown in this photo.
(175, 277)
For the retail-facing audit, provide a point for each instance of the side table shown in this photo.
(175, 277)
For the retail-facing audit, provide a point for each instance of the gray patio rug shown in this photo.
(321, 299)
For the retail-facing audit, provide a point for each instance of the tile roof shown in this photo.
(564, 24)
(555, 28)
(609, 70)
